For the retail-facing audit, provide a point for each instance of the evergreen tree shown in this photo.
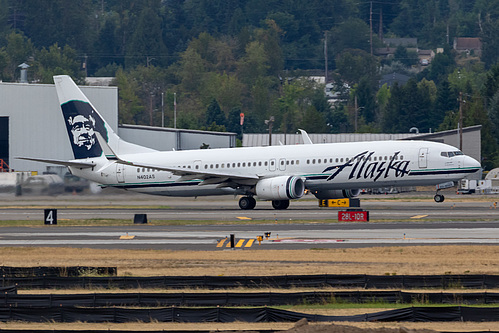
(146, 46)
(214, 114)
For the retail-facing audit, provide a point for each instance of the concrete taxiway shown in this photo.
(398, 223)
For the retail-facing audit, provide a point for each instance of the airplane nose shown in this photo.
(470, 162)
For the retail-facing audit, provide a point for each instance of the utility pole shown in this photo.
(460, 125)
(371, 26)
(326, 79)
(270, 122)
(162, 109)
(174, 110)
(355, 113)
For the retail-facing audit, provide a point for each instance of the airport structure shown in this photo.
(31, 125)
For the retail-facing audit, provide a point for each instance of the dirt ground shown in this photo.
(452, 259)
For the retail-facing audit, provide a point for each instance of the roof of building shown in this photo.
(401, 41)
(467, 43)
(390, 79)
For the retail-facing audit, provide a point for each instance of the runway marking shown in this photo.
(221, 242)
(419, 216)
(243, 218)
(127, 236)
(240, 243)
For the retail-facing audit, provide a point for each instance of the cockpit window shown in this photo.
(451, 153)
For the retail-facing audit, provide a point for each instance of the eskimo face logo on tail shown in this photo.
(81, 123)
(363, 166)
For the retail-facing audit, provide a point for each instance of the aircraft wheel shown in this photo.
(280, 204)
(439, 198)
(247, 203)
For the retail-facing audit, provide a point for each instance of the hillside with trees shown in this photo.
(221, 58)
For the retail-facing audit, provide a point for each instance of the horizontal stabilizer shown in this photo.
(76, 164)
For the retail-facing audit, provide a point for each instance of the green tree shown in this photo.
(146, 46)
(352, 65)
(18, 50)
(214, 114)
(490, 42)
(129, 103)
(56, 61)
(59, 22)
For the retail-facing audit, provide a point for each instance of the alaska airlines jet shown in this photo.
(275, 173)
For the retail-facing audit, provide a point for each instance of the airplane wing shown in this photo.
(76, 164)
(208, 177)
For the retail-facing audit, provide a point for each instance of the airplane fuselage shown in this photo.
(337, 166)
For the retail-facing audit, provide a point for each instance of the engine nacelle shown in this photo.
(336, 194)
(280, 188)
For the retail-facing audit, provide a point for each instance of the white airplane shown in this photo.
(275, 173)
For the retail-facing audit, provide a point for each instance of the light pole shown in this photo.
(174, 110)
(270, 122)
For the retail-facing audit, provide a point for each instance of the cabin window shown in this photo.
(308, 161)
(197, 167)
(138, 169)
(297, 162)
(244, 164)
(206, 166)
(292, 162)
(260, 163)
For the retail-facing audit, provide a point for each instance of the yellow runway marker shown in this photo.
(240, 243)
(250, 242)
(418, 216)
(127, 236)
(244, 218)
(221, 242)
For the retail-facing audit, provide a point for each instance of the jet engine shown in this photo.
(336, 194)
(280, 188)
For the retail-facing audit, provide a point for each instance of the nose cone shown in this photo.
(470, 162)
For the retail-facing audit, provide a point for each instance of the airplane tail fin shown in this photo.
(83, 120)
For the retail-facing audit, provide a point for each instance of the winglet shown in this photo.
(108, 152)
(306, 138)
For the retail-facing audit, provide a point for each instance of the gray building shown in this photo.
(31, 125)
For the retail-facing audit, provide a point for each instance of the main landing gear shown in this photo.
(280, 204)
(247, 203)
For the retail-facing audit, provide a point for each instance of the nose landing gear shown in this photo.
(439, 197)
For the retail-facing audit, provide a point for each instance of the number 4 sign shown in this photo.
(50, 216)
